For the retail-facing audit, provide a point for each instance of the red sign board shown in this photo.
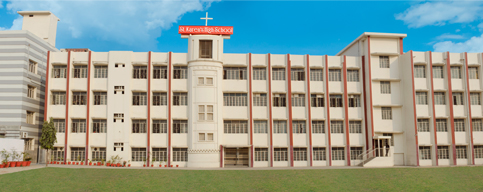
(205, 30)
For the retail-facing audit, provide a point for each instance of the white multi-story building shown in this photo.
(369, 105)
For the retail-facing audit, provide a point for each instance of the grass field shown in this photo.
(389, 179)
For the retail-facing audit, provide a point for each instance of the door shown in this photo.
(236, 157)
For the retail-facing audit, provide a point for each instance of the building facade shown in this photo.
(370, 105)
(23, 61)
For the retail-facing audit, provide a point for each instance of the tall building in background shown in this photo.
(23, 61)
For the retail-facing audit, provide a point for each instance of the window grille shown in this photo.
(160, 99)
(58, 98)
(180, 126)
(180, 98)
(139, 98)
(180, 72)
(140, 72)
(279, 126)
(99, 126)
(439, 98)
(336, 101)
(457, 98)
(160, 126)
(334, 75)
(280, 154)
(235, 126)
(30, 117)
(477, 124)
(80, 71)
(297, 74)
(386, 113)
(298, 100)
(354, 100)
(261, 154)
(206, 49)
(421, 98)
(180, 154)
(77, 153)
(300, 154)
(353, 75)
(443, 152)
(279, 100)
(478, 151)
(78, 125)
(423, 125)
(461, 152)
(318, 127)
(59, 71)
(438, 72)
(100, 71)
(278, 74)
(160, 72)
(473, 73)
(298, 127)
(138, 154)
(336, 126)
(385, 87)
(234, 99)
(441, 125)
(459, 125)
(456, 72)
(59, 125)
(57, 154)
(139, 126)
(259, 73)
(475, 98)
(419, 71)
(259, 99)
(317, 100)
(383, 61)
(31, 91)
(424, 152)
(319, 154)
(235, 73)
(79, 98)
(100, 98)
(355, 152)
(260, 126)
(355, 127)
(205, 112)
(32, 66)
(316, 75)
(338, 153)
(99, 154)
(160, 154)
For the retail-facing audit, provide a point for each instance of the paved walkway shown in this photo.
(17, 169)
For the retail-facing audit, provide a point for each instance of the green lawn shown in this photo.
(389, 179)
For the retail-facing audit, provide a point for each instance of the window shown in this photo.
(98, 154)
(201, 80)
(336, 126)
(139, 126)
(335, 100)
(138, 154)
(318, 127)
(160, 72)
(279, 126)
(420, 71)
(59, 125)
(235, 73)
(119, 88)
(80, 71)
(234, 99)
(389, 135)
(334, 75)
(355, 127)
(456, 72)
(477, 124)
(421, 98)
(386, 113)
(180, 98)
(78, 125)
(209, 81)
(118, 116)
(180, 126)
(438, 72)
(32, 66)
(99, 126)
(234, 126)
(461, 152)
(439, 98)
(160, 126)
(475, 98)
(355, 153)
(280, 154)
(424, 152)
(385, 87)
(261, 154)
(443, 152)
(423, 125)
(317, 100)
(180, 154)
(473, 73)
(354, 100)
(139, 98)
(260, 126)
(201, 136)
(478, 151)
(119, 145)
(100, 71)
(100, 98)
(205, 112)
(180, 72)
(31, 91)
(279, 100)
(259, 73)
(383, 61)
(206, 49)
(210, 136)
(319, 154)
(57, 154)
(338, 153)
(58, 98)
(59, 71)
(316, 74)
(79, 98)
(298, 100)
(77, 153)
(30, 117)
(457, 98)
(278, 74)
(298, 127)
(259, 99)
(353, 75)
(441, 125)
(459, 125)
(300, 154)
(139, 72)
(297, 74)
(160, 154)
(160, 99)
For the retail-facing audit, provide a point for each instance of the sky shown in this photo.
(277, 27)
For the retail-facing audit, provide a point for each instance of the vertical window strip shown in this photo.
(280, 154)
(355, 127)
(300, 154)
(138, 154)
(383, 61)
(457, 98)
(180, 72)
(334, 75)
(456, 72)
(140, 72)
(443, 152)
(78, 125)
(385, 87)
(297, 74)
(316, 75)
(298, 127)
(259, 73)
(354, 100)
(338, 153)
(260, 126)
(441, 125)
(336, 127)
(160, 72)
(59, 125)
(419, 71)
(438, 72)
(423, 125)
(319, 154)
(100, 98)
(355, 153)
(424, 152)
(261, 154)
(180, 98)
(160, 126)
(58, 98)
(353, 75)
(318, 127)
(475, 98)
(99, 126)
(421, 98)
(59, 71)
(139, 98)
(259, 99)
(298, 100)
(80, 71)
(386, 113)
(279, 126)
(473, 73)
(100, 71)
(139, 126)
(461, 152)
(439, 98)
(317, 100)
(459, 125)
(278, 74)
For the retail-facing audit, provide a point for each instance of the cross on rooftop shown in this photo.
(206, 19)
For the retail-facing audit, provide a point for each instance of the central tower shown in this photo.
(205, 98)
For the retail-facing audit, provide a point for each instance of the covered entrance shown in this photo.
(236, 157)
(382, 146)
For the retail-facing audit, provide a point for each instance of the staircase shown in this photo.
(370, 159)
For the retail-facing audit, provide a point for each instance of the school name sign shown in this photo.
(205, 30)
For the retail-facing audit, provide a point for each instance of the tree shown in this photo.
(48, 138)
